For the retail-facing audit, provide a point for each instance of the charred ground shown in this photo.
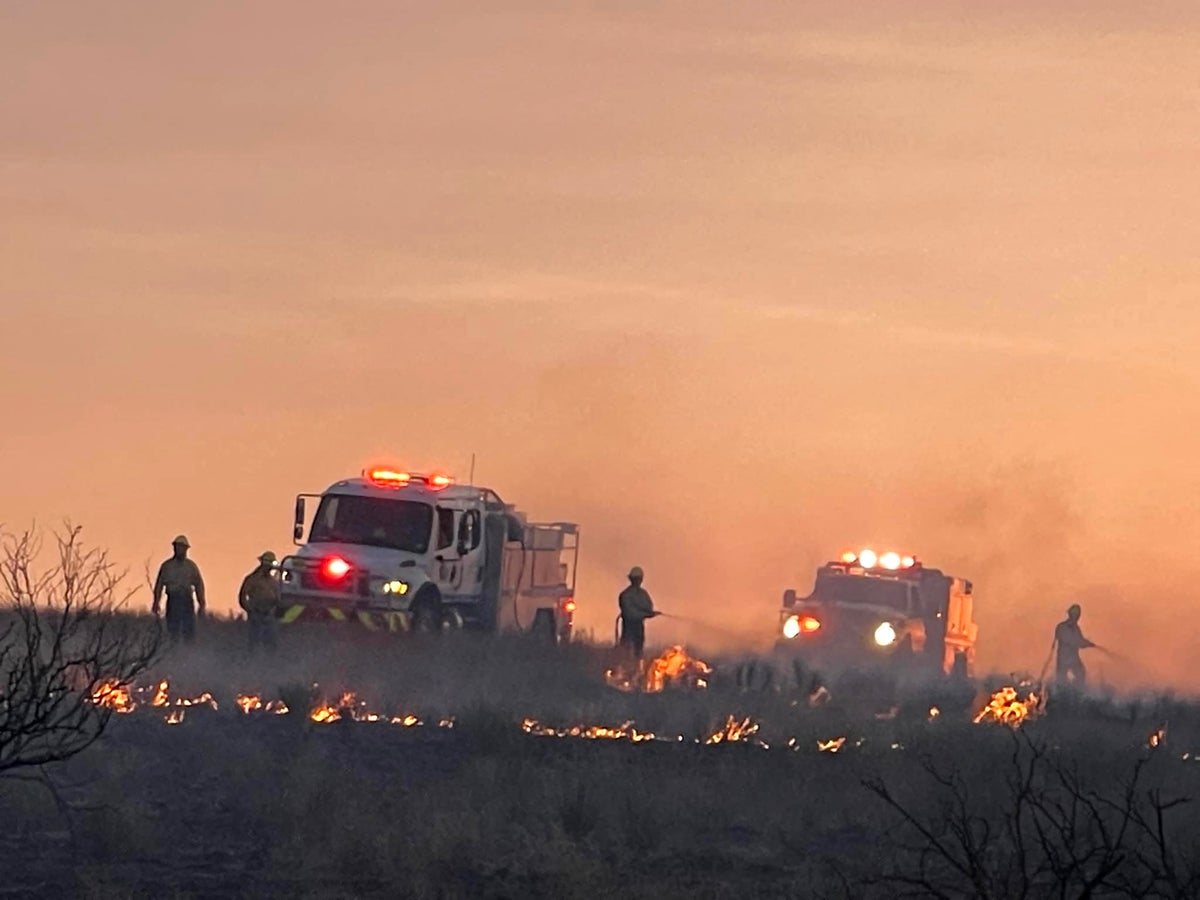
(227, 803)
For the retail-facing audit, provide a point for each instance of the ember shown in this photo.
(174, 717)
(831, 746)
(1158, 738)
(622, 732)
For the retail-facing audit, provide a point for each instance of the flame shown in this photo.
(112, 694)
(934, 712)
(161, 697)
(1157, 738)
(1007, 708)
(734, 731)
(174, 717)
(249, 703)
(324, 713)
(674, 668)
(205, 699)
(831, 746)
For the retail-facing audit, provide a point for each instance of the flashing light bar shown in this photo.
(439, 482)
(394, 478)
(869, 559)
(387, 477)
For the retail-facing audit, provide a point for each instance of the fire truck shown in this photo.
(869, 607)
(400, 551)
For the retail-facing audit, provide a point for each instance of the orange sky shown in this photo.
(733, 285)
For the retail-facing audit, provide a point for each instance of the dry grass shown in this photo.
(225, 804)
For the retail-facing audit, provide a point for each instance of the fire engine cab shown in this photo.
(869, 606)
(399, 551)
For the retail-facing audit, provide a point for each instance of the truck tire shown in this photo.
(543, 627)
(427, 613)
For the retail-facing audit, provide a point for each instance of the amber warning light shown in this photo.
(869, 559)
(798, 625)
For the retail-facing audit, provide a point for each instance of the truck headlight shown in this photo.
(791, 627)
(400, 588)
(885, 635)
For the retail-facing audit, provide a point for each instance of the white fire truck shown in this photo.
(401, 551)
(882, 607)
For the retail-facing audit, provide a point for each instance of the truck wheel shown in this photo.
(904, 654)
(543, 627)
(427, 614)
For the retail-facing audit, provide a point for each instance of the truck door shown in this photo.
(469, 547)
(494, 534)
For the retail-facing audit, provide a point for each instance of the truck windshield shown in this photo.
(377, 522)
(856, 591)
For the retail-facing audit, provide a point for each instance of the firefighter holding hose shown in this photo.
(636, 608)
(1069, 640)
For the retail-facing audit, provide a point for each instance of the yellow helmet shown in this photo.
(636, 572)
(180, 541)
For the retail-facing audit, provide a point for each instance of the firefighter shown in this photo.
(636, 608)
(1069, 640)
(259, 596)
(179, 577)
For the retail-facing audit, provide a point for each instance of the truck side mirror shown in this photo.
(789, 597)
(298, 526)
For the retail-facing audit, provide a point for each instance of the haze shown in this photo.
(735, 286)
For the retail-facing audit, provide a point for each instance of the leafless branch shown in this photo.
(64, 635)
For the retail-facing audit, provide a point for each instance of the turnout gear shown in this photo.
(1069, 640)
(180, 579)
(259, 596)
(636, 608)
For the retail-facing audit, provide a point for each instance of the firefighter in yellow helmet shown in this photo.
(1069, 640)
(636, 608)
(259, 597)
(179, 578)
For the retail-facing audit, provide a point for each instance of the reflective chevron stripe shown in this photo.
(395, 622)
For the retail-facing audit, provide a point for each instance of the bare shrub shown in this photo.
(63, 640)
(1037, 827)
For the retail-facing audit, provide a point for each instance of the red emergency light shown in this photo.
(334, 568)
(568, 605)
(809, 624)
(388, 477)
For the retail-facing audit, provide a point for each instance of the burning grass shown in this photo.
(674, 783)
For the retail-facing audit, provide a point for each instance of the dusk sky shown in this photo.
(734, 285)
